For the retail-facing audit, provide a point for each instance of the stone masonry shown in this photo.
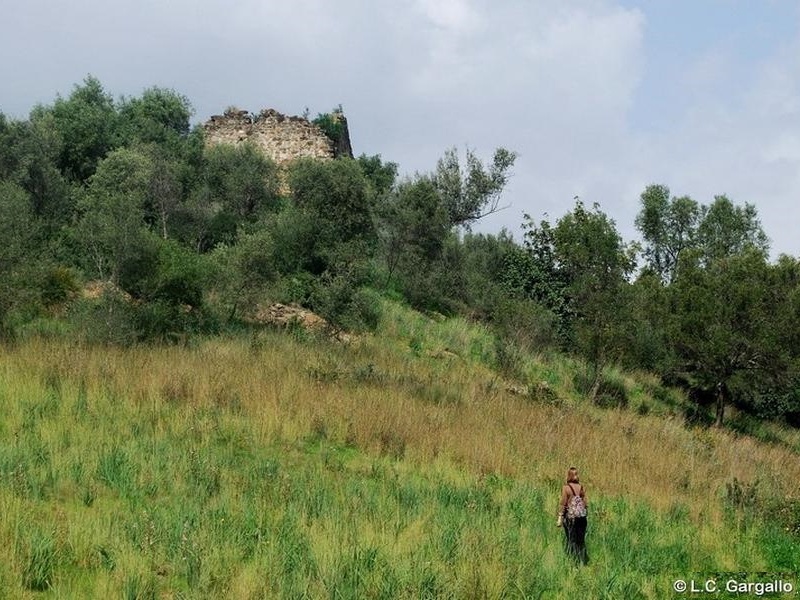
(282, 138)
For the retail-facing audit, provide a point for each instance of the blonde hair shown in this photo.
(572, 475)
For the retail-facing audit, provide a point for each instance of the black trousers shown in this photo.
(575, 539)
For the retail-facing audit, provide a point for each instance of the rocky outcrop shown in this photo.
(286, 316)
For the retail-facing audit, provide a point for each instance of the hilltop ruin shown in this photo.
(280, 137)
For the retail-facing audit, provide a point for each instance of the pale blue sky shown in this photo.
(679, 34)
(599, 97)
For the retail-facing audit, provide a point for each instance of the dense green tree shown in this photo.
(200, 223)
(52, 194)
(584, 258)
(721, 323)
(726, 229)
(484, 260)
(30, 158)
(413, 228)
(18, 257)
(534, 272)
(9, 132)
(644, 333)
(595, 263)
(334, 196)
(241, 180)
(773, 389)
(668, 226)
(165, 193)
(380, 175)
(159, 116)
(112, 212)
(87, 123)
(471, 192)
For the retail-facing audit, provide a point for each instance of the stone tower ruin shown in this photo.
(280, 137)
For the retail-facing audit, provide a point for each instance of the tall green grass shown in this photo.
(290, 468)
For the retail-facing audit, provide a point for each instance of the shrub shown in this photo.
(528, 324)
(612, 392)
(610, 389)
(59, 284)
(108, 320)
(337, 299)
(508, 357)
(331, 124)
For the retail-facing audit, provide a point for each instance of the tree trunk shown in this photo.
(163, 222)
(594, 390)
(720, 393)
(597, 371)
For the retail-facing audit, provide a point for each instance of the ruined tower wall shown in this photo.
(280, 137)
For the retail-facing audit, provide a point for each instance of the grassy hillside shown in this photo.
(401, 465)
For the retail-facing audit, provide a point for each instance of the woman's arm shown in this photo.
(562, 505)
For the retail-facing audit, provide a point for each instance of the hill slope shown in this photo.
(282, 465)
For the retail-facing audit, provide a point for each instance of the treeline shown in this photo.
(119, 222)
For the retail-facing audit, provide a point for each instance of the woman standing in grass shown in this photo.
(572, 515)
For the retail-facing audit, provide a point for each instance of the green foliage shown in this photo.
(668, 227)
(109, 320)
(163, 205)
(474, 192)
(720, 323)
(331, 124)
(159, 116)
(344, 305)
(380, 175)
(59, 284)
(672, 226)
(644, 335)
(726, 230)
(333, 194)
(413, 228)
(179, 278)
(87, 124)
(526, 324)
(160, 298)
(111, 222)
(34, 150)
(584, 261)
(8, 158)
(173, 295)
(240, 180)
(415, 222)
(293, 243)
(530, 272)
(19, 233)
(480, 285)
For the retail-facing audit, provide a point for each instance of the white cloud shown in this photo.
(453, 15)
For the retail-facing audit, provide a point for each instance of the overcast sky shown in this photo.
(598, 97)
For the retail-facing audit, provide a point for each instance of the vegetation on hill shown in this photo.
(126, 192)
(156, 442)
(399, 466)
